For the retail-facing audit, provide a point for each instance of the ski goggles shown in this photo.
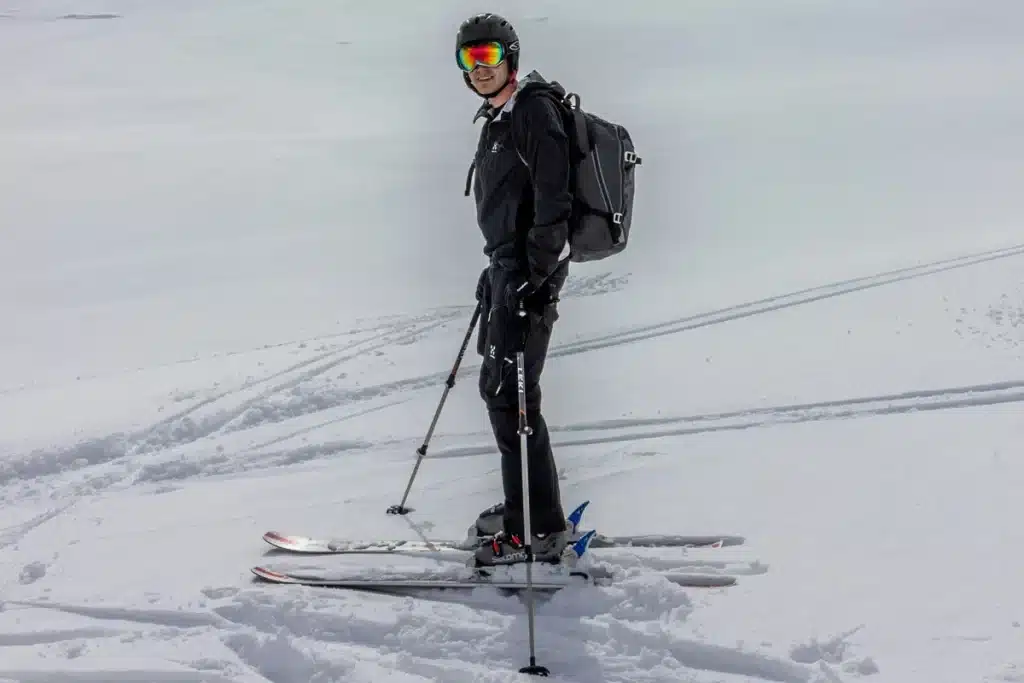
(481, 54)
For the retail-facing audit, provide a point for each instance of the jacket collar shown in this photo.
(492, 113)
(532, 79)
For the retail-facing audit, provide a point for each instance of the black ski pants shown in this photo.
(500, 336)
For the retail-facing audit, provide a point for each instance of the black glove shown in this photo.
(517, 291)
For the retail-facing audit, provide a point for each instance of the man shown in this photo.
(523, 201)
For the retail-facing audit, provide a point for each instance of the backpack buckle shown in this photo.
(617, 218)
(632, 158)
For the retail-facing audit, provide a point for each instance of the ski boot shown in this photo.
(555, 559)
(491, 522)
(503, 548)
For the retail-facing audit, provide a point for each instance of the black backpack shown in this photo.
(603, 160)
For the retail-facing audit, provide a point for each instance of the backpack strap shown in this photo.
(579, 123)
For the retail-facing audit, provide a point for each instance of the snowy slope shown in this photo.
(236, 265)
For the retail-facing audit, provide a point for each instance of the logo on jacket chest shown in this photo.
(494, 161)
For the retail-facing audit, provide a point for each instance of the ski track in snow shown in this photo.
(11, 535)
(278, 397)
(622, 633)
(479, 637)
(783, 301)
(264, 401)
(837, 409)
(134, 675)
(76, 16)
(255, 403)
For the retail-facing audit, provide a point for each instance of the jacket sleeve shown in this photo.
(539, 136)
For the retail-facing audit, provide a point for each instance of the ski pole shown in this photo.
(524, 431)
(400, 509)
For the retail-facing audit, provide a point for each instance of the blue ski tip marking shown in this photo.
(580, 546)
(577, 515)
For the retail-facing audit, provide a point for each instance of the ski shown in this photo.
(295, 543)
(308, 545)
(466, 579)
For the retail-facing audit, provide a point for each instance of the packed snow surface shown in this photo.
(236, 266)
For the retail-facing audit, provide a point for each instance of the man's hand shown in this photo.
(516, 292)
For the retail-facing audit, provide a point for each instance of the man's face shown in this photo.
(488, 80)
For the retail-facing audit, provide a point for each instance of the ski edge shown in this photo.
(682, 579)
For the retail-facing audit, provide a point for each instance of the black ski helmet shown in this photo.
(489, 26)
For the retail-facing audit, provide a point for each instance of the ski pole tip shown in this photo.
(535, 670)
(399, 510)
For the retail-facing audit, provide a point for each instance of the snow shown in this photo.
(236, 266)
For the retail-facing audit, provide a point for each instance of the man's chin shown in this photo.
(488, 89)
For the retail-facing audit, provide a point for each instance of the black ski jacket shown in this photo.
(521, 185)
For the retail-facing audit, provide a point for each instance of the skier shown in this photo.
(521, 188)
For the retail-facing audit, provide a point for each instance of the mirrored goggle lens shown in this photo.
(486, 54)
